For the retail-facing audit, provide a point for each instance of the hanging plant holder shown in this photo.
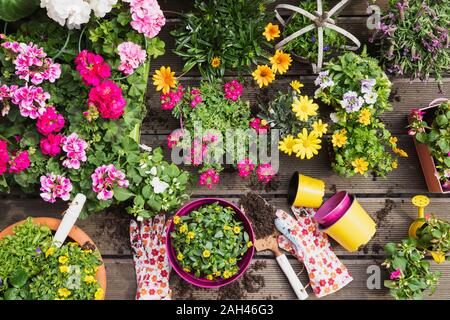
(320, 20)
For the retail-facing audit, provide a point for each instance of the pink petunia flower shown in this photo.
(209, 178)
(19, 163)
(245, 167)
(75, 148)
(395, 274)
(50, 121)
(108, 100)
(131, 57)
(92, 68)
(105, 178)
(55, 186)
(51, 145)
(265, 172)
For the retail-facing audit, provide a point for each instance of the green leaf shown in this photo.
(19, 278)
(155, 48)
(390, 248)
(12, 294)
(441, 120)
(13, 10)
(399, 263)
(122, 194)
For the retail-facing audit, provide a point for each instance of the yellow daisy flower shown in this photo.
(263, 75)
(63, 269)
(164, 79)
(64, 292)
(215, 62)
(218, 273)
(50, 251)
(364, 117)
(304, 108)
(63, 259)
(209, 277)
(226, 228)
(360, 165)
(249, 244)
(307, 145)
(320, 128)
(236, 230)
(180, 256)
(394, 164)
(98, 295)
(296, 85)
(271, 32)
(280, 62)
(183, 228)
(287, 145)
(206, 253)
(339, 139)
(89, 279)
(176, 219)
(232, 260)
(191, 235)
(227, 274)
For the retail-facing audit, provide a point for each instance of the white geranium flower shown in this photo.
(102, 7)
(158, 185)
(72, 13)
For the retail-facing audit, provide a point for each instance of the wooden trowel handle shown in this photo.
(298, 287)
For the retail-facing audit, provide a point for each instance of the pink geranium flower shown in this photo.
(50, 121)
(131, 57)
(4, 156)
(147, 17)
(105, 178)
(92, 68)
(55, 186)
(265, 172)
(51, 145)
(108, 100)
(245, 167)
(19, 163)
(75, 148)
(31, 101)
(209, 178)
(6, 94)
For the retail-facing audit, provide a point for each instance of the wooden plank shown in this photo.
(109, 230)
(356, 7)
(121, 283)
(405, 96)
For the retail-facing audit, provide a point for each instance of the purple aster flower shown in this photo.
(367, 85)
(352, 102)
(326, 48)
(313, 39)
(38, 250)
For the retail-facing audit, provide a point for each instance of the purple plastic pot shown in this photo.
(243, 264)
(333, 209)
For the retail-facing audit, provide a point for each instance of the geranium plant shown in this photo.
(209, 242)
(72, 122)
(31, 269)
(358, 90)
(434, 236)
(409, 273)
(434, 131)
(208, 115)
(224, 35)
(297, 118)
(414, 38)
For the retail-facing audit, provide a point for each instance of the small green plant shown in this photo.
(209, 242)
(435, 236)
(410, 274)
(224, 35)
(45, 272)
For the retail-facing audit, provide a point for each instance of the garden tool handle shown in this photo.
(69, 219)
(297, 286)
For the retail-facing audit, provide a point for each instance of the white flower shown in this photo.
(140, 219)
(153, 171)
(102, 7)
(334, 117)
(367, 85)
(158, 185)
(146, 148)
(73, 13)
(371, 97)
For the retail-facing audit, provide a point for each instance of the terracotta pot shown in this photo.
(76, 234)
(427, 161)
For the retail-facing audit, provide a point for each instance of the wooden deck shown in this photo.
(387, 200)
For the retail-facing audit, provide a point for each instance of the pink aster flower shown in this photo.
(76, 151)
(105, 178)
(108, 100)
(233, 90)
(174, 137)
(209, 178)
(131, 57)
(4, 156)
(19, 163)
(147, 17)
(31, 101)
(256, 124)
(50, 121)
(55, 186)
(196, 100)
(265, 172)
(395, 274)
(245, 167)
(51, 145)
(92, 68)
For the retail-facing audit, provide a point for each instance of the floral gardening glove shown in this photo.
(150, 259)
(302, 238)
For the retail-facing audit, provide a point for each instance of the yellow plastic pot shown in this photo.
(354, 229)
(305, 191)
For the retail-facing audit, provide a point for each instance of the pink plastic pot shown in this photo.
(243, 264)
(333, 209)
